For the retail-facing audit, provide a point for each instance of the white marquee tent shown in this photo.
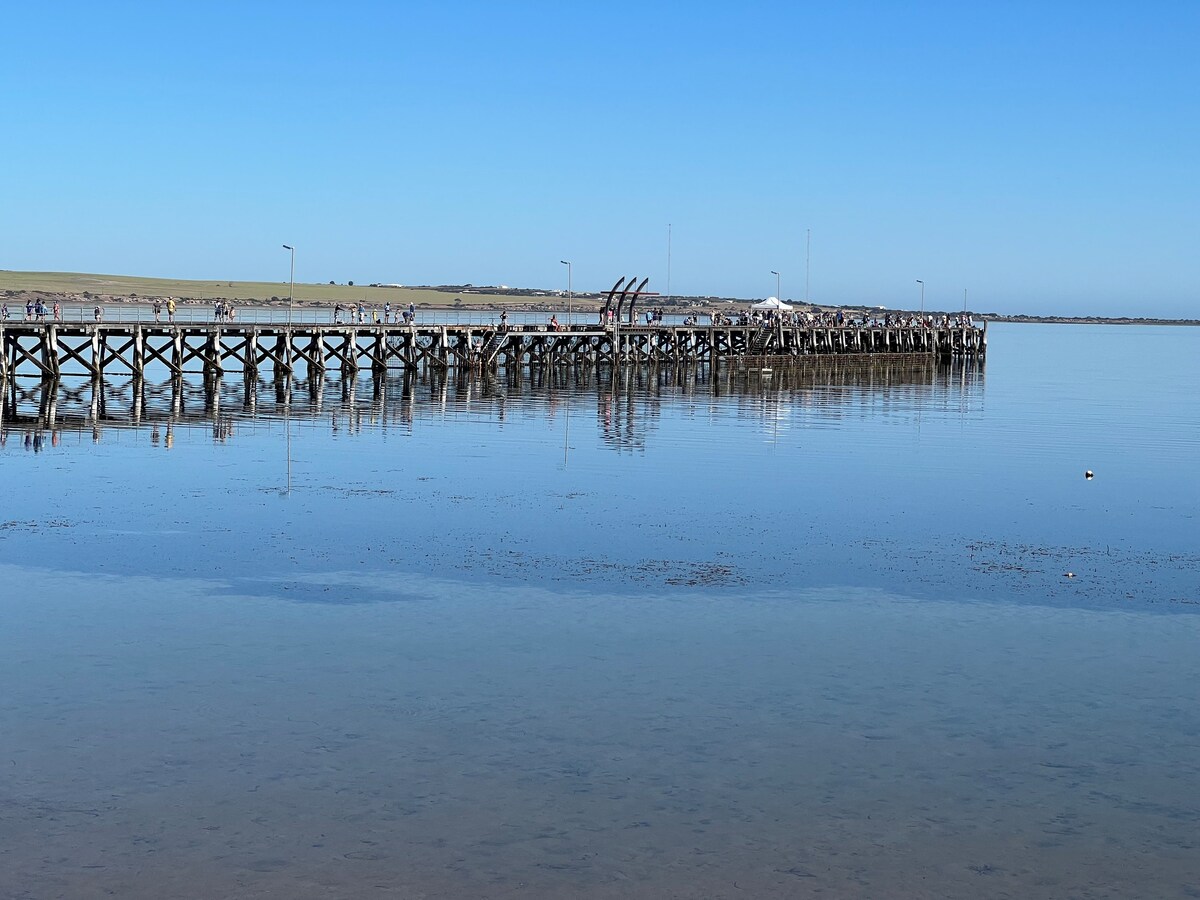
(772, 303)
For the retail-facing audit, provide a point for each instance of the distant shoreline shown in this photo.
(1086, 320)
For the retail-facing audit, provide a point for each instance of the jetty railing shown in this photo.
(49, 349)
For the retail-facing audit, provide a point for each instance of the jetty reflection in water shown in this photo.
(623, 404)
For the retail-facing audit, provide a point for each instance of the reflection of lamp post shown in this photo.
(570, 320)
(922, 284)
(287, 397)
(291, 280)
(778, 293)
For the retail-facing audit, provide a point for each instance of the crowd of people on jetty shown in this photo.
(38, 311)
(35, 311)
(158, 310)
(835, 319)
(361, 314)
(356, 314)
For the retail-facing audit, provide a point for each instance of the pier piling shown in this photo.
(47, 350)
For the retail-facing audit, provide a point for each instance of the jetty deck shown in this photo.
(50, 349)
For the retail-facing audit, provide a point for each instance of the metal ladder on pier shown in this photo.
(760, 339)
(491, 348)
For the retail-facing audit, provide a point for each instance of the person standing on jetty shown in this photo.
(57, 311)
(171, 310)
(157, 310)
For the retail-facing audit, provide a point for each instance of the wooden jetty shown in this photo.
(51, 349)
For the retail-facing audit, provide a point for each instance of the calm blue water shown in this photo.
(692, 636)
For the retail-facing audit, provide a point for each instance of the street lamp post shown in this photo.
(291, 280)
(778, 292)
(668, 263)
(922, 284)
(807, 260)
(570, 295)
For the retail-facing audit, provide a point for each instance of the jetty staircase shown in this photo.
(491, 348)
(760, 339)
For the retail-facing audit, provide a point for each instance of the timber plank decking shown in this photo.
(50, 349)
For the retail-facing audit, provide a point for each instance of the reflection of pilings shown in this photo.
(139, 398)
(212, 396)
(634, 393)
(48, 407)
(442, 387)
(408, 397)
(283, 391)
(316, 388)
(97, 405)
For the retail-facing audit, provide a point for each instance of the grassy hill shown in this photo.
(74, 285)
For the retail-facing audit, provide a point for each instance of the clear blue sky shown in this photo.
(1045, 156)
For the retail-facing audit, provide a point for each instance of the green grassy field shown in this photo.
(75, 283)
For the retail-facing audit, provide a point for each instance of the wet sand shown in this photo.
(168, 738)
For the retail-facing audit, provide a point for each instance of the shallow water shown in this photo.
(692, 637)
